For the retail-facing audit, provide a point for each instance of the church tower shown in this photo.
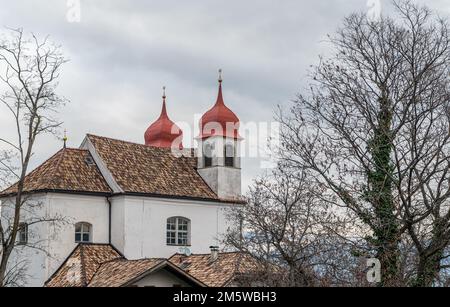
(219, 161)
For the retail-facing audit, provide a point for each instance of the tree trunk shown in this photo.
(380, 196)
(4, 265)
(427, 270)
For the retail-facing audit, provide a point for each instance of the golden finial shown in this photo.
(220, 76)
(164, 92)
(65, 138)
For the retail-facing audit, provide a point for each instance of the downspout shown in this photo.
(109, 219)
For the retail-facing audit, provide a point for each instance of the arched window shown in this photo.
(83, 232)
(23, 234)
(207, 155)
(178, 231)
(229, 155)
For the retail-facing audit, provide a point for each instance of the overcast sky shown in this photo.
(122, 52)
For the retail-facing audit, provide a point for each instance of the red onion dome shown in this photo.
(220, 120)
(163, 132)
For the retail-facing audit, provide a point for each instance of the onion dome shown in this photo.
(220, 120)
(163, 132)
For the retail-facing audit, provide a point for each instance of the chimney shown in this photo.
(214, 253)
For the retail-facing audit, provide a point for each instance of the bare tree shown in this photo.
(29, 76)
(374, 128)
(288, 226)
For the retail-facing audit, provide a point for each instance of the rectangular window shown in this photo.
(178, 231)
(83, 233)
(23, 234)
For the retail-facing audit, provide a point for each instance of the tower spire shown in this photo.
(220, 95)
(164, 109)
(220, 75)
(65, 138)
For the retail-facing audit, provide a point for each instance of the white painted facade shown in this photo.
(138, 228)
(139, 225)
(58, 240)
(224, 180)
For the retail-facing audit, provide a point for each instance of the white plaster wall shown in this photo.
(77, 208)
(224, 181)
(145, 225)
(161, 278)
(58, 240)
(118, 222)
(33, 259)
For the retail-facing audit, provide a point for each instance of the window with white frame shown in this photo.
(83, 233)
(23, 234)
(178, 231)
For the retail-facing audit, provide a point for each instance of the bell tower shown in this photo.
(219, 161)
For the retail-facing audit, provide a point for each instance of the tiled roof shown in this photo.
(150, 170)
(82, 264)
(218, 273)
(136, 168)
(101, 265)
(118, 273)
(67, 170)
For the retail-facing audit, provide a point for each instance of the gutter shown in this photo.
(109, 218)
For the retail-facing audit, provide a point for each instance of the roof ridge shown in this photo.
(83, 267)
(205, 254)
(45, 161)
(93, 244)
(60, 160)
(75, 149)
(136, 260)
(41, 166)
(55, 170)
(130, 142)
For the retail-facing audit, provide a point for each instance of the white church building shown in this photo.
(134, 203)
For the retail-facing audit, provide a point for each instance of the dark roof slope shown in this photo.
(67, 170)
(150, 170)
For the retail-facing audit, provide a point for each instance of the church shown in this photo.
(149, 214)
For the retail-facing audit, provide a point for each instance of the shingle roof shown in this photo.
(82, 264)
(119, 272)
(101, 265)
(218, 273)
(150, 170)
(67, 170)
(137, 169)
